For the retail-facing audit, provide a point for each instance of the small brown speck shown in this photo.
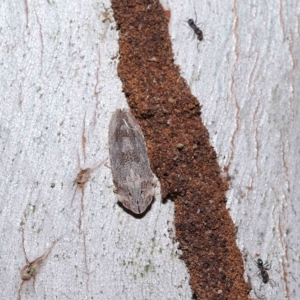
(179, 146)
(168, 14)
(172, 100)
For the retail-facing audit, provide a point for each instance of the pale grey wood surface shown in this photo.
(59, 83)
(246, 76)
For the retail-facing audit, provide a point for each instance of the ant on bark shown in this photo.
(196, 29)
(262, 272)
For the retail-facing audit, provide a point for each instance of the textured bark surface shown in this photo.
(59, 88)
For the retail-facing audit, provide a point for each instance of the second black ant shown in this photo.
(196, 29)
(263, 272)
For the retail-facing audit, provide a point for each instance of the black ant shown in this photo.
(263, 268)
(197, 30)
(263, 272)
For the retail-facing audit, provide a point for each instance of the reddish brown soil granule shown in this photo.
(179, 149)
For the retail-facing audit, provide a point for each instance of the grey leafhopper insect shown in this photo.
(132, 176)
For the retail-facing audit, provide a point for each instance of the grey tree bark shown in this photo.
(59, 87)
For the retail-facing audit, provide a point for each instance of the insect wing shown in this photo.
(130, 164)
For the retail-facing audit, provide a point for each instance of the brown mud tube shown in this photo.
(179, 149)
